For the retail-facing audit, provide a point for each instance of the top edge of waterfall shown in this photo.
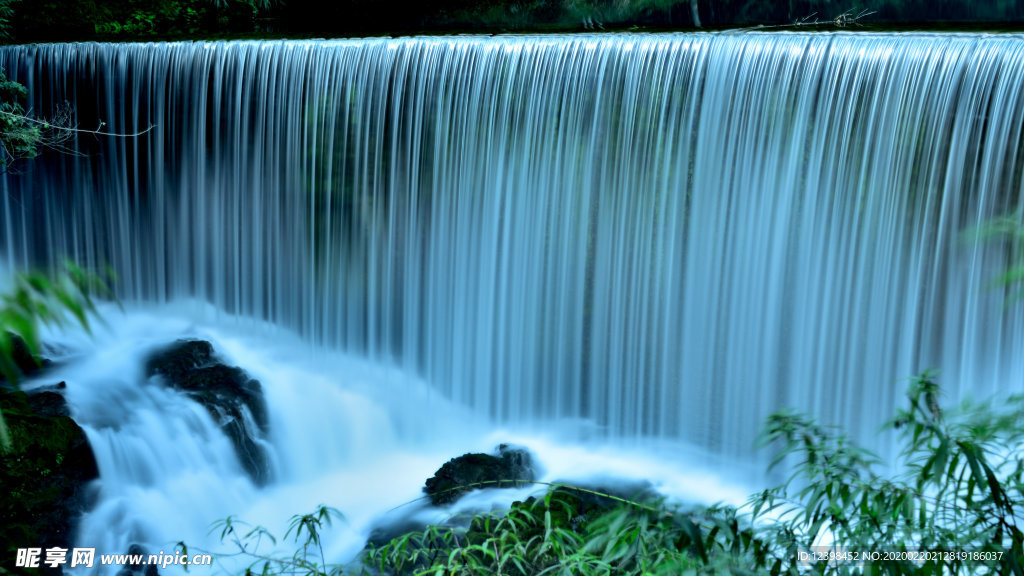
(559, 37)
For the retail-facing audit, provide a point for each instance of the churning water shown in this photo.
(655, 237)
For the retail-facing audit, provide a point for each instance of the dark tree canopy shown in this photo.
(56, 20)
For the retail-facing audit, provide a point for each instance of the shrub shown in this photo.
(953, 508)
(33, 300)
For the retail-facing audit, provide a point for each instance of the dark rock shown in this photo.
(136, 550)
(46, 474)
(49, 403)
(233, 399)
(221, 388)
(23, 359)
(473, 471)
(178, 360)
(140, 568)
(25, 363)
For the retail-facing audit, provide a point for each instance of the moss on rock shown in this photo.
(44, 476)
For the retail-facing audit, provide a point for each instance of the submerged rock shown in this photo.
(140, 567)
(46, 474)
(388, 528)
(475, 471)
(233, 399)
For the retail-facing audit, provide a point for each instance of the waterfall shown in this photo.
(668, 236)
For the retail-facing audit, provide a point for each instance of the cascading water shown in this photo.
(665, 236)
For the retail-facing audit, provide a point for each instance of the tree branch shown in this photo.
(97, 132)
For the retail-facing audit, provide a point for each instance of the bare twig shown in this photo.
(848, 18)
(72, 129)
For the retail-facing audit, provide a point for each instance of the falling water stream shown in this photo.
(621, 242)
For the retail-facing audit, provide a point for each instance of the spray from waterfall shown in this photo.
(666, 236)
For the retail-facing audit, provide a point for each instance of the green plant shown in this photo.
(305, 531)
(953, 509)
(36, 299)
(6, 14)
(1008, 230)
(19, 138)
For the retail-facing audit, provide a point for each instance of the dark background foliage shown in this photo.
(59, 20)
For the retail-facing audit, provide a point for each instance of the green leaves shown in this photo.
(305, 530)
(963, 471)
(37, 299)
(311, 524)
(964, 478)
(19, 136)
(1007, 229)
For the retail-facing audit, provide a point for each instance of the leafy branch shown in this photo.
(37, 299)
(960, 490)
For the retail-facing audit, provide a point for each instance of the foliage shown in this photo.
(958, 494)
(54, 20)
(49, 20)
(305, 531)
(6, 14)
(1007, 230)
(19, 137)
(43, 475)
(953, 509)
(550, 535)
(37, 299)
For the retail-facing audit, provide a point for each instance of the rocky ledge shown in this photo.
(46, 474)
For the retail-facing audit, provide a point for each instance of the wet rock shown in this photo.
(475, 471)
(135, 552)
(23, 359)
(136, 565)
(48, 402)
(233, 399)
(179, 359)
(24, 362)
(45, 476)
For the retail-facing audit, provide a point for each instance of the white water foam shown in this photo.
(343, 432)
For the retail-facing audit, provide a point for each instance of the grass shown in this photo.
(954, 509)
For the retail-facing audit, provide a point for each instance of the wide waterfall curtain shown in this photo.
(664, 235)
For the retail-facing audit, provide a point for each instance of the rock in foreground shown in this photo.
(45, 476)
(460, 475)
(233, 399)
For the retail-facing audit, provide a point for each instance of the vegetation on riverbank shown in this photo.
(959, 499)
(44, 473)
(45, 458)
(36, 299)
(61, 20)
(955, 508)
